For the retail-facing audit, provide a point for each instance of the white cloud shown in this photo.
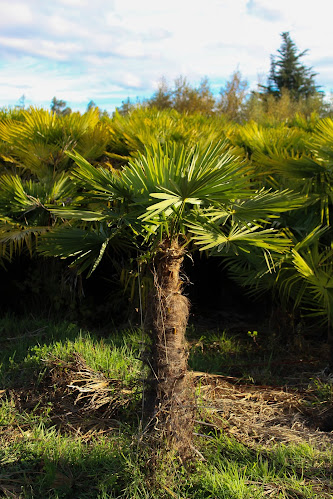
(260, 9)
(112, 19)
(74, 3)
(130, 49)
(49, 49)
(15, 13)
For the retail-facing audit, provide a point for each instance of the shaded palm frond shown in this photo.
(16, 237)
(251, 270)
(85, 246)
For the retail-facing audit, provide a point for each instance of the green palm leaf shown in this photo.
(217, 238)
(85, 247)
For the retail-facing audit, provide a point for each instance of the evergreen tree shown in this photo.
(287, 72)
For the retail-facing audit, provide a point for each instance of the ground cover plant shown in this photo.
(71, 409)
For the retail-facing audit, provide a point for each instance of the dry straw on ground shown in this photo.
(79, 399)
(261, 414)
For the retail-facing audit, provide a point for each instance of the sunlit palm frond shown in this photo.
(219, 238)
(268, 203)
(16, 237)
(19, 197)
(322, 140)
(130, 134)
(269, 141)
(98, 181)
(307, 279)
(38, 143)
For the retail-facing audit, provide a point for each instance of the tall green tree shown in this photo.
(287, 71)
(167, 202)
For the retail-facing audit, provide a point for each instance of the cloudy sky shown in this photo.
(108, 50)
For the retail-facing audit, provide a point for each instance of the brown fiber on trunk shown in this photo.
(330, 347)
(170, 401)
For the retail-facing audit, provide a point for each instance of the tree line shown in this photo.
(290, 89)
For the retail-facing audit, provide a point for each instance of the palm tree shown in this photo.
(292, 157)
(35, 142)
(25, 210)
(168, 202)
(33, 176)
(306, 279)
(144, 125)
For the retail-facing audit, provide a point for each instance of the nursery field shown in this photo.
(70, 412)
(111, 383)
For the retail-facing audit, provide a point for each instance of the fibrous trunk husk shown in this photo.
(330, 346)
(169, 400)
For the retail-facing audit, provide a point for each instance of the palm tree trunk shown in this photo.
(171, 402)
(330, 346)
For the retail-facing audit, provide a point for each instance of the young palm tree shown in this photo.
(25, 210)
(167, 202)
(35, 142)
(303, 161)
(33, 171)
(143, 125)
(306, 279)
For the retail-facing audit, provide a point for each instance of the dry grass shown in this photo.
(85, 401)
(79, 399)
(262, 414)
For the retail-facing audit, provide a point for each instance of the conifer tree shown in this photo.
(287, 72)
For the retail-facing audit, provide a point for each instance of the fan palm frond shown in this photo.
(84, 246)
(307, 279)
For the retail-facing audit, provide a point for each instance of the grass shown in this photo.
(59, 442)
(252, 357)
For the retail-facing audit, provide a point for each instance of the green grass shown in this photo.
(41, 459)
(36, 341)
(252, 357)
(233, 355)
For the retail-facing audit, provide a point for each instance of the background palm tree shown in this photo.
(303, 161)
(35, 142)
(33, 170)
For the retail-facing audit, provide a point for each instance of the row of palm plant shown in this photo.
(33, 170)
(33, 147)
(302, 161)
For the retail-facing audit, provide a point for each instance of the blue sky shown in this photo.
(108, 50)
